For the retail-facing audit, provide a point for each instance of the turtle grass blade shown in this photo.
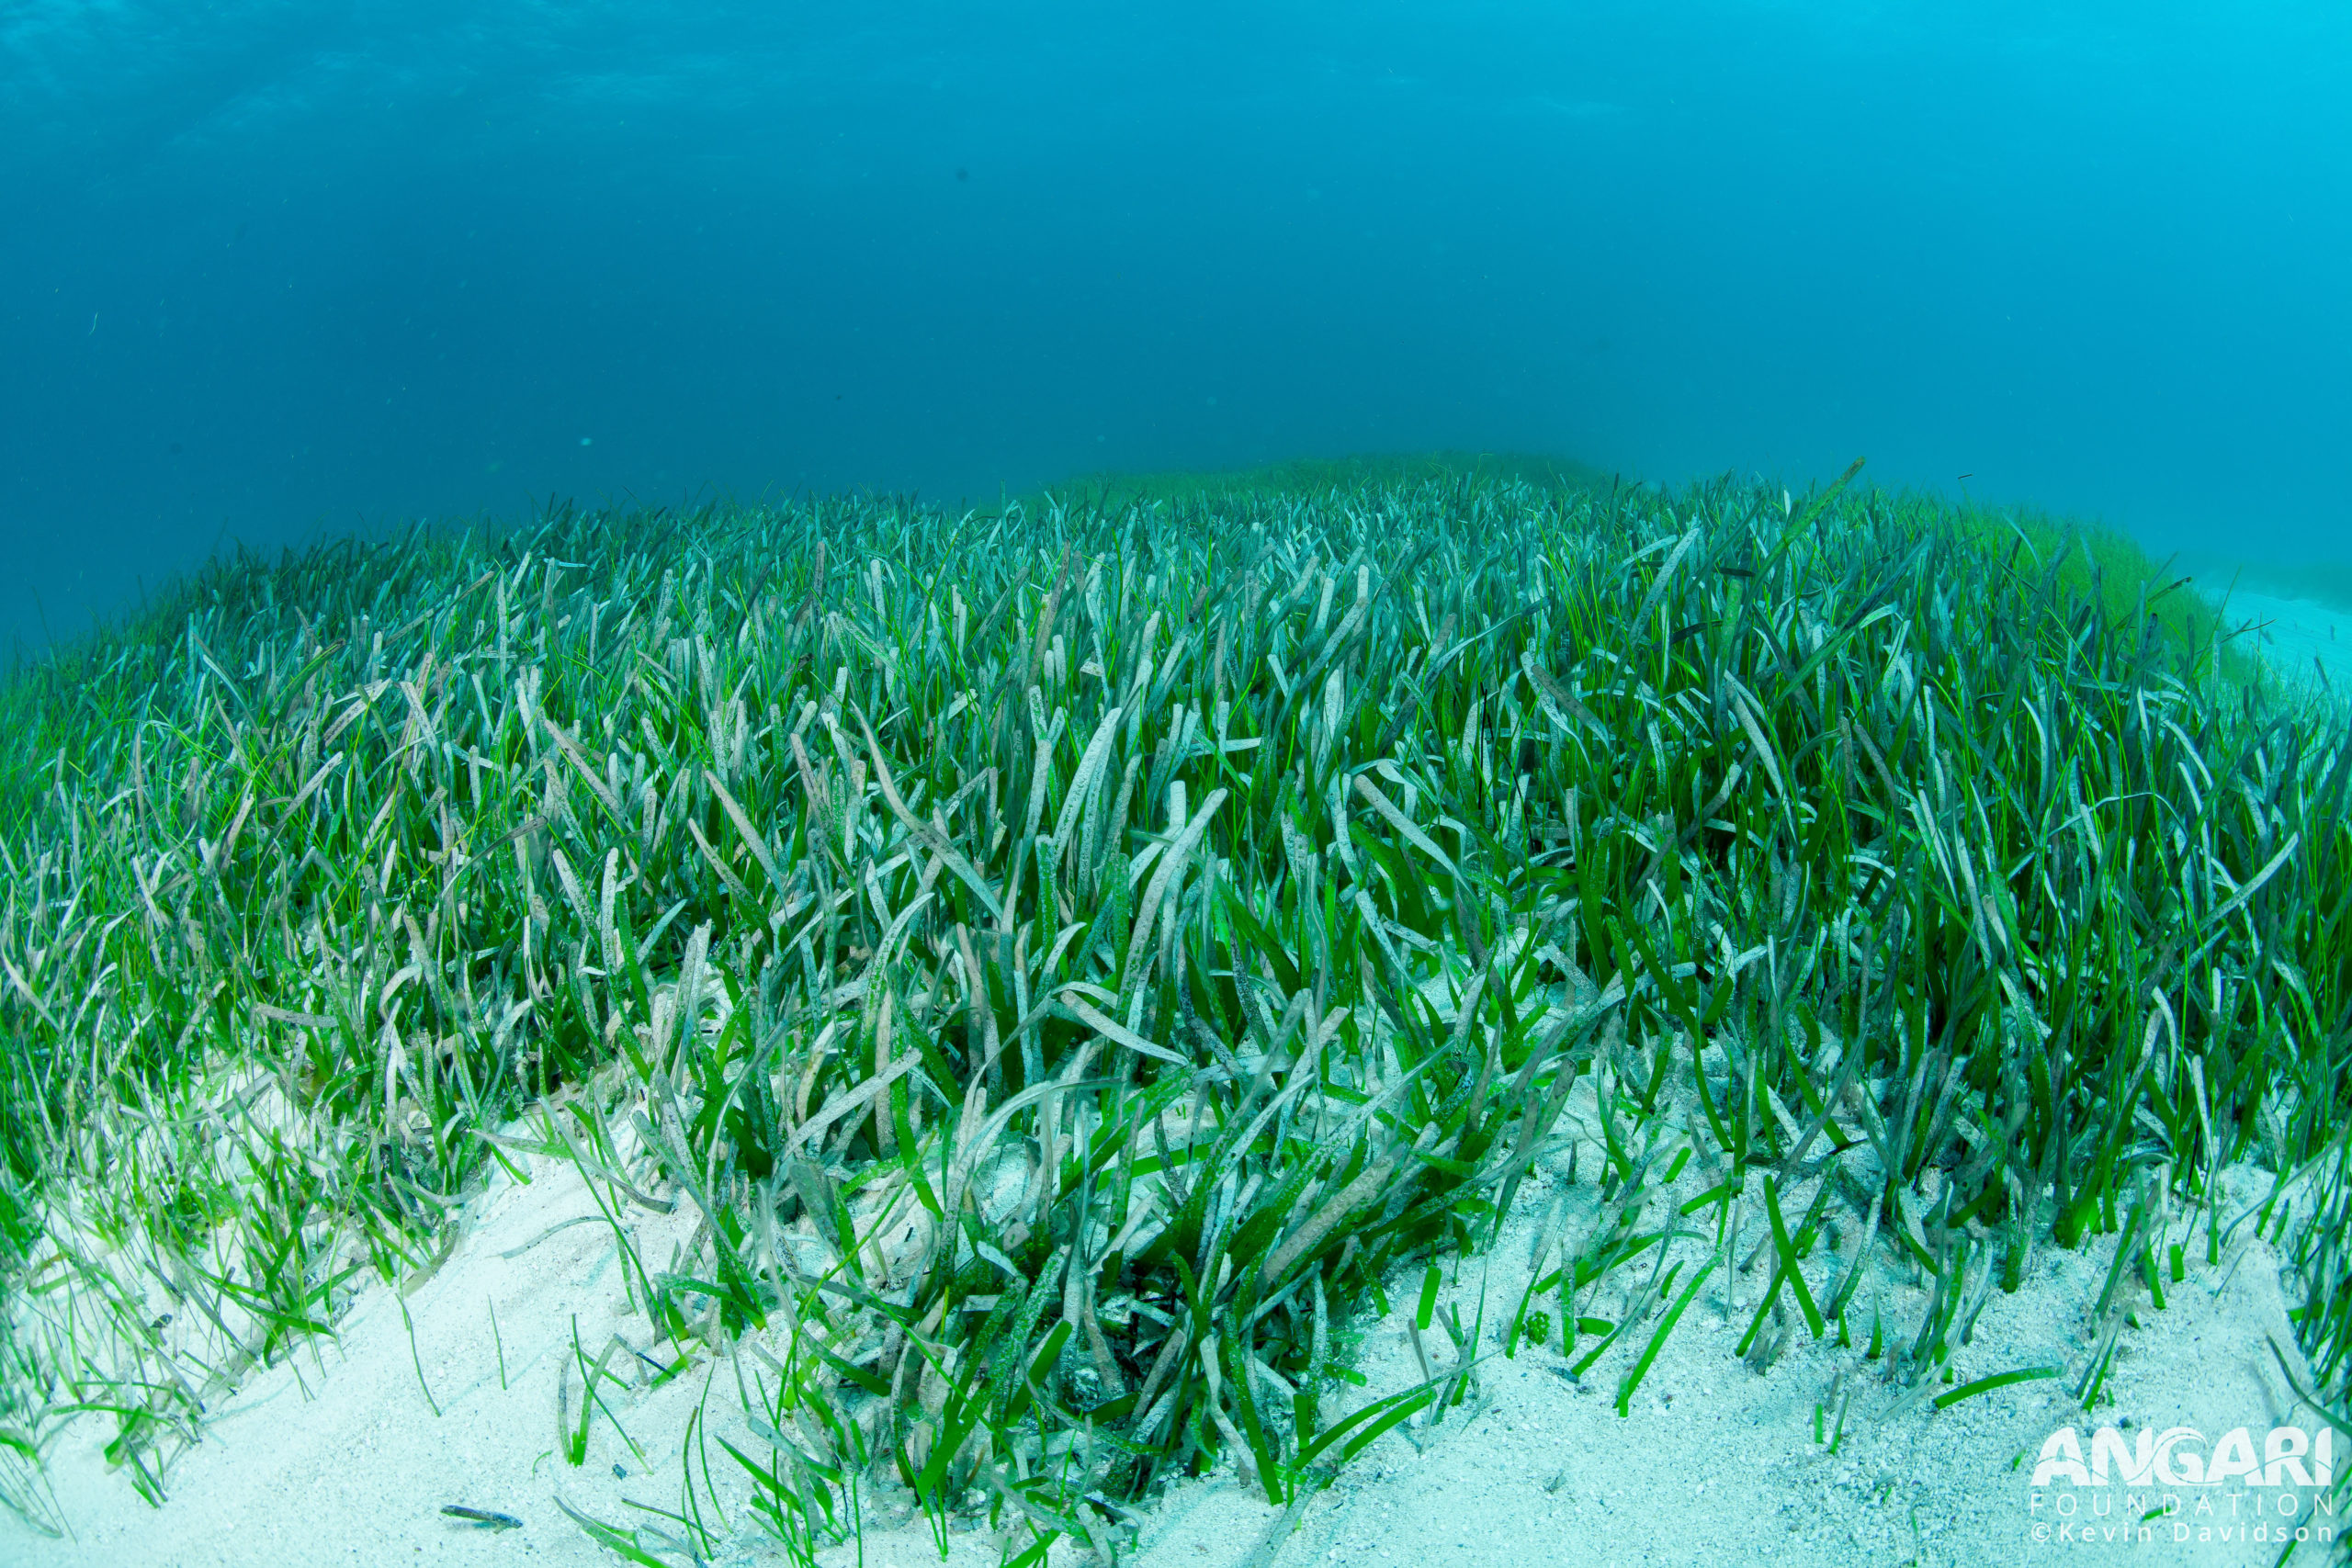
(624, 1544)
(1658, 1338)
(1971, 1389)
(1364, 1425)
(1787, 1255)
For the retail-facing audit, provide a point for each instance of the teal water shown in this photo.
(272, 269)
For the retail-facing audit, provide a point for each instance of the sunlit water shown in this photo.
(276, 270)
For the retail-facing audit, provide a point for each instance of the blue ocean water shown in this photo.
(271, 268)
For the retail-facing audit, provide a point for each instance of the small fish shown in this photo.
(483, 1519)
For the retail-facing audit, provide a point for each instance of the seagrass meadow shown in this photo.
(1056, 963)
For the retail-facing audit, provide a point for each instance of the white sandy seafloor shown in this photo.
(336, 1456)
(2306, 642)
(1716, 1464)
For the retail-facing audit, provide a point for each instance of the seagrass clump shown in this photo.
(1067, 958)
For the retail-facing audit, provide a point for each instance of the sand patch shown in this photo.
(338, 1456)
